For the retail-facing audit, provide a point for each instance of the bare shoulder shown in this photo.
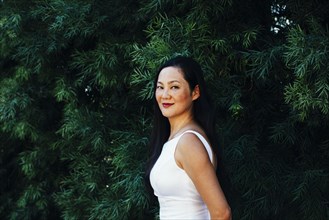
(190, 149)
(190, 142)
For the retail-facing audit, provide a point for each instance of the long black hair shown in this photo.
(203, 110)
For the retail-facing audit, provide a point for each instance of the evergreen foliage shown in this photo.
(75, 103)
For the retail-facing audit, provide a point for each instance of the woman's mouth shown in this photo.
(167, 105)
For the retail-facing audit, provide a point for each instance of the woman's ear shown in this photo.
(196, 93)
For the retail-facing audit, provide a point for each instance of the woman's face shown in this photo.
(173, 93)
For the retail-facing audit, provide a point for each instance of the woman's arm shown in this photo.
(192, 156)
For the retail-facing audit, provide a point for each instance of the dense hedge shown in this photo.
(75, 103)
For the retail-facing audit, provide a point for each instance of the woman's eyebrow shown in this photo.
(173, 81)
(170, 82)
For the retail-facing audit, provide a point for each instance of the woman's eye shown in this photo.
(175, 87)
(159, 87)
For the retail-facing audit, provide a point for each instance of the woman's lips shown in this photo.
(167, 105)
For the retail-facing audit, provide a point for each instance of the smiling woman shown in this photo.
(173, 95)
(182, 168)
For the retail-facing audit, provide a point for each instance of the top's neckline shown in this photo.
(181, 135)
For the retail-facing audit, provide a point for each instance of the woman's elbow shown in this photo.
(227, 215)
(222, 214)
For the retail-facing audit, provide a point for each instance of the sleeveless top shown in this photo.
(177, 195)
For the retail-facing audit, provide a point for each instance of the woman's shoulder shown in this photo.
(195, 133)
(192, 138)
(194, 142)
(191, 149)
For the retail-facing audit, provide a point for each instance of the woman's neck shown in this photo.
(179, 125)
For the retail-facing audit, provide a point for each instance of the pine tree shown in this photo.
(63, 96)
(76, 103)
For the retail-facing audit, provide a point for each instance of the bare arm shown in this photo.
(192, 156)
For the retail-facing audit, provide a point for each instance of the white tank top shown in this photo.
(177, 195)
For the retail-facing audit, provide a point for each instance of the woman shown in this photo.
(183, 165)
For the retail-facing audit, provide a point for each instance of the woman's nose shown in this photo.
(165, 94)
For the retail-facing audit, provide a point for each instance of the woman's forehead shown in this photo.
(169, 74)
